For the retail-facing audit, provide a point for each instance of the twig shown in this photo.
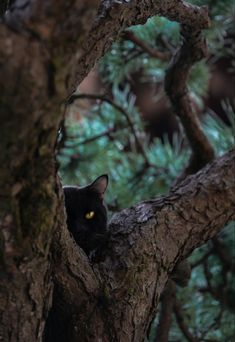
(96, 137)
(216, 292)
(167, 44)
(223, 254)
(165, 320)
(121, 110)
(202, 259)
(164, 56)
(215, 323)
(183, 327)
(208, 279)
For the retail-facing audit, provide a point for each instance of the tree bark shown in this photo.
(47, 47)
(146, 243)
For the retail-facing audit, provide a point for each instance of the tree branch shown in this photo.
(167, 305)
(56, 22)
(147, 241)
(183, 327)
(225, 256)
(115, 15)
(191, 51)
(42, 60)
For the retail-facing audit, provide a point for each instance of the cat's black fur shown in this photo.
(89, 234)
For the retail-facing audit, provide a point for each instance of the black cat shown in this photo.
(87, 214)
(87, 222)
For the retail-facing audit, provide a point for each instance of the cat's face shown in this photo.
(87, 214)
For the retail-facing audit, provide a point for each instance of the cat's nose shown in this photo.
(82, 228)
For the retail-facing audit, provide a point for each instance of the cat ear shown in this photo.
(100, 185)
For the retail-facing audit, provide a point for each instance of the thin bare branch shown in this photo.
(165, 319)
(202, 259)
(121, 110)
(223, 254)
(182, 325)
(164, 56)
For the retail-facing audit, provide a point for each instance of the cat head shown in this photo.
(86, 213)
(99, 186)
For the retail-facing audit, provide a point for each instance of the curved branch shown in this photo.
(192, 50)
(115, 16)
(54, 24)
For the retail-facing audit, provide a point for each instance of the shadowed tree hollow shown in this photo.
(47, 48)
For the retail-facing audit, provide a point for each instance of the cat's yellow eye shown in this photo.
(90, 215)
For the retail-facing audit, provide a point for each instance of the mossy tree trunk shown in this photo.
(47, 48)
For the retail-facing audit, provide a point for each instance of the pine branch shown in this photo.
(125, 114)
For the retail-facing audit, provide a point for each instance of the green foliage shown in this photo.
(211, 313)
(103, 143)
(140, 168)
(220, 134)
(124, 58)
(208, 314)
(222, 30)
(115, 152)
(199, 79)
(217, 8)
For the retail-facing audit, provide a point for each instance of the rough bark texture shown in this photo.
(46, 48)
